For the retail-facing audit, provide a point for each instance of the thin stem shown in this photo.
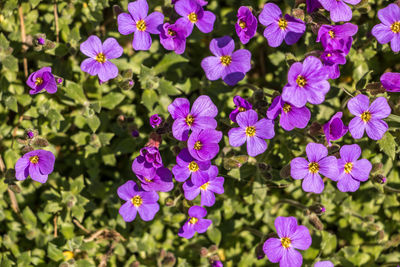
(56, 21)
(23, 39)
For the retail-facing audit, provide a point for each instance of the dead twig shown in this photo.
(23, 39)
(56, 21)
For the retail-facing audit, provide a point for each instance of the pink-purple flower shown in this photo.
(338, 9)
(203, 144)
(161, 181)
(173, 37)
(335, 128)
(155, 120)
(313, 5)
(389, 28)
(246, 25)
(391, 81)
(42, 79)
(241, 106)
(331, 60)
(187, 166)
(147, 162)
(324, 264)
(37, 164)
(337, 37)
(195, 222)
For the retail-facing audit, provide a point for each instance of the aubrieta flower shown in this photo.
(193, 14)
(389, 29)
(147, 162)
(217, 264)
(332, 60)
(391, 81)
(335, 128)
(339, 11)
(37, 164)
(246, 25)
(212, 185)
(307, 81)
(291, 237)
(195, 223)
(200, 2)
(137, 200)
(252, 131)
(368, 117)
(41, 40)
(318, 162)
(201, 116)
(241, 106)
(173, 37)
(291, 116)
(313, 5)
(279, 27)
(99, 55)
(187, 166)
(155, 120)
(161, 181)
(324, 264)
(139, 23)
(226, 63)
(203, 144)
(352, 170)
(42, 79)
(337, 37)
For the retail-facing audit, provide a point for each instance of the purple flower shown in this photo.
(41, 41)
(351, 170)
(291, 237)
(135, 133)
(161, 181)
(192, 13)
(338, 9)
(217, 264)
(391, 81)
(318, 162)
(337, 37)
(368, 118)
(60, 80)
(99, 55)
(313, 5)
(291, 117)
(201, 116)
(389, 29)
(280, 27)
(147, 162)
(195, 223)
(241, 106)
(137, 200)
(139, 23)
(30, 134)
(331, 61)
(324, 264)
(200, 2)
(173, 37)
(42, 79)
(203, 144)
(155, 120)
(226, 64)
(212, 184)
(246, 25)
(307, 81)
(335, 128)
(252, 131)
(187, 166)
(38, 164)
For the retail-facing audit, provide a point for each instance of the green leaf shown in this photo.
(167, 61)
(11, 103)
(214, 234)
(75, 91)
(11, 63)
(93, 122)
(149, 98)
(167, 87)
(388, 145)
(29, 217)
(80, 138)
(54, 253)
(112, 100)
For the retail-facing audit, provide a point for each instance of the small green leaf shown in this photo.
(93, 122)
(75, 91)
(11, 103)
(167, 61)
(388, 145)
(149, 98)
(29, 217)
(214, 234)
(112, 100)
(54, 253)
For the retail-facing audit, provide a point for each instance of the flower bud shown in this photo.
(203, 252)
(127, 74)
(316, 129)
(379, 179)
(376, 167)
(135, 133)
(260, 252)
(49, 45)
(41, 142)
(317, 209)
(169, 260)
(169, 202)
(213, 248)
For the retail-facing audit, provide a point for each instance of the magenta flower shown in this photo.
(161, 181)
(324, 264)
(252, 131)
(291, 237)
(42, 79)
(337, 37)
(155, 120)
(335, 128)
(37, 164)
(201, 116)
(246, 25)
(139, 23)
(241, 106)
(339, 11)
(195, 223)
(352, 171)
(332, 60)
(391, 81)
(212, 185)
(279, 27)
(41, 40)
(226, 63)
(193, 14)
(187, 166)
(318, 162)
(99, 55)
(368, 118)
(389, 29)
(137, 200)
(313, 5)
(291, 117)
(173, 37)
(307, 82)
(217, 264)
(203, 144)
(147, 162)
(200, 2)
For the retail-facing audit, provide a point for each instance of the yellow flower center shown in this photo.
(348, 167)
(286, 107)
(189, 120)
(282, 23)
(198, 145)
(242, 109)
(395, 27)
(242, 24)
(137, 201)
(226, 60)
(141, 25)
(286, 242)
(301, 81)
(68, 255)
(329, 55)
(148, 180)
(193, 167)
(313, 167)
(250, 131)
(38, 81)
(193, 220)
(204, 186)
(34, 159)
(366, 116)
(331, 34)
(100, 57)
(171, 32)
(192, 17)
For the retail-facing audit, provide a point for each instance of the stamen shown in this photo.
(193, 166)
(286, 107)
(204, 186)
(101, 58)
(282, 23)
(171, 32)
(348, 167)
(366, 116)
(250, 131)
(198, 145)
(39, 81)
(313, 167)
(286, 242)
(301, 81)
(141, 25)
(242, 24)
(34, 159)
(332, 34)
(189, 120)
(193, 17)
(193, 220)
(242, 109)
(137, 201)
(226, 60)
(395, 27)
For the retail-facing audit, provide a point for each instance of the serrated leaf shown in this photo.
(93, 122)
(388, 145)
(29, 217)
(112, 100)
(11, 103)
(54, 253)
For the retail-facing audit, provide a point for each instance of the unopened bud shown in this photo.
(212, 248)
(260, 252)
(316, 129)
(217, 264)
(333, 149)
(375, 88)
(317, 209)
(15, 188)
(127, 74)
(135, 133)
(49, 45)
(285, 172)
(60, 80)
(41, 142)
(298, 13)
(169, 202)
(135, 264)
(203, 252)
(27, 149)
(380, 179)
(169, 260)
(127, 84)
(376, 167)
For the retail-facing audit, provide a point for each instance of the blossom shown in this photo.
(137, 200)
(278, 27)
(42, 79)
(161, 181)
(155, 120)
(339, 11)
(226, 63)
(38, 164)
(368, 117)
(307, 81)
(389, 29)
(241, 105)
(201, 116)
(147, 162)
(337, 37)
(139, 23)
(193, 14)
(291, 116)
(331, 61)
(203, 144)
(335, 128)
(318, 162)
(252, 131)
(324, 264)
(391, 81)
(246, 25)
(200, 2)
(212, 185)
(41, 40)
(291, 237)
(217, 264)
(99, 55)
(312, 5)
(187, 166)
(173, 37)
(195, 223)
